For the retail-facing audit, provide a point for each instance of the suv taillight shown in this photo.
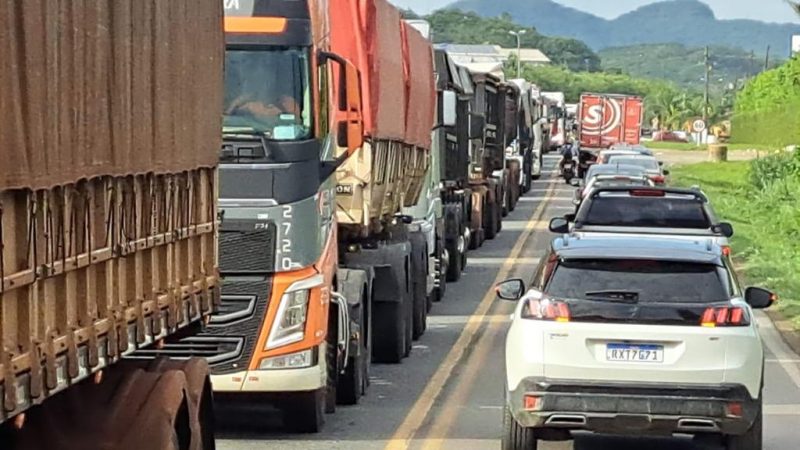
(546, 309)
(725, 316)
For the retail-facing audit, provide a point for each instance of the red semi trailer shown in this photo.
(609, 119)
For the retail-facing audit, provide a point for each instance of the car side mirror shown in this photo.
(665, 172)
(512, 290)
(759, 298)
(559, 225)
(724, 229)
(661, 163)
(569, 217)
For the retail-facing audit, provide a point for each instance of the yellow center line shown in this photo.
(416, 416)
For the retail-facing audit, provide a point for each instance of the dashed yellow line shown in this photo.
(416, 416)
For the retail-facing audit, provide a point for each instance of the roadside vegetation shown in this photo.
(691, 146)
(760, 198)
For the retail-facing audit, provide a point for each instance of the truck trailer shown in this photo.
(108, 213)
(609, 119)
(555, 106)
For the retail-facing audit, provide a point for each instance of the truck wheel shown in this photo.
(332, 369)
(304, 412)
(505, 202)
(752, 439)
(419, 291)
(455, 248)
(490, 220)
(515, 436)
(352, 381)
(388, 346)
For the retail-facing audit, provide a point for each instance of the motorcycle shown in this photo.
(568, 169)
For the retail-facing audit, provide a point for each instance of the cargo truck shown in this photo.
(488, 173)
(327, 124)
(108, 213)
(556, 112)
(610, 119)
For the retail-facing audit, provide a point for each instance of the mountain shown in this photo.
(687, 22)
(683, 65)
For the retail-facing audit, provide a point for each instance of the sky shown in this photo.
(766, 10)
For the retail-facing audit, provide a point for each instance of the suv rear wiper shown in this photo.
(617, 296)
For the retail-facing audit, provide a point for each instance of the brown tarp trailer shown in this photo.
(104, 87)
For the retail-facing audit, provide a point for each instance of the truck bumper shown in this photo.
(275, 380)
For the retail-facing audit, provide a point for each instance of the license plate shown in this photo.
(635, 353)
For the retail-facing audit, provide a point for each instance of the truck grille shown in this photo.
(229, 340)
(244, 249)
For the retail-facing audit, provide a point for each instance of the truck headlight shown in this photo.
(290, 321)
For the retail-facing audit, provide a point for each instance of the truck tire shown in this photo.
(352, 383)
(455, 244)
(332, 367)
(419, 286)
(515, 436)
(490, 219)
(752, 439)
(304, 412)
(390, 346)
(505, 202)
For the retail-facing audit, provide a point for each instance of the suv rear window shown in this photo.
(639, 281)
(654, 212)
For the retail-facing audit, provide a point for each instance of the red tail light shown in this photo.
(660, 179)
(647, 193)
(546, 309)
(725, 316)
(726, 250)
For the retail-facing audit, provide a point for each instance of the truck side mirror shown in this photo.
(449, 108)
(348, 116)
(477, 125)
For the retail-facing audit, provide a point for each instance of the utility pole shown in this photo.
(766, 60)
(708, 87)
(518, 35)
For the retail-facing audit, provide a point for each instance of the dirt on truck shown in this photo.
(109, 146)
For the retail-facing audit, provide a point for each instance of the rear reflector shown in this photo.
(530, 402)
(725, 316)
(733, 409)
(647, 193)
(658, 178)
(726, 250)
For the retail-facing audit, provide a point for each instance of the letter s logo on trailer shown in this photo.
(602, 118)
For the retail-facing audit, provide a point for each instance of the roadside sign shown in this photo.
(795, 44)
(698, 126)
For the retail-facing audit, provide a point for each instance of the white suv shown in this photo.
(623, 335)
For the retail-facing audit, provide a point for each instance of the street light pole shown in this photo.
(518, 35)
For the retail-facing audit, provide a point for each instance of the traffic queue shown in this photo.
(635, 320)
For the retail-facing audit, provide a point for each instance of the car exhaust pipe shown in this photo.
(697, 425)
(566, 420)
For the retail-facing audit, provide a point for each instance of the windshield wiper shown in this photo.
(616, 296)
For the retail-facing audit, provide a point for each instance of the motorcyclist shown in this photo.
(569, 152)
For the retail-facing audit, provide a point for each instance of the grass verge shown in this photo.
(690, 146)
(766, 223)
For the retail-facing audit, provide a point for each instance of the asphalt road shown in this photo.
(449, 393)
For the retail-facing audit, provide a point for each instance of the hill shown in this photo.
(683, 65)
(687, 22)
(451, 26)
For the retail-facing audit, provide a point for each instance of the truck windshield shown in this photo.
(267, 93)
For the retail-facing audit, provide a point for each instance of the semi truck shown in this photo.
(609, 119)
(526, 149)
(556, 112)
(326, 137)
(108, 214)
